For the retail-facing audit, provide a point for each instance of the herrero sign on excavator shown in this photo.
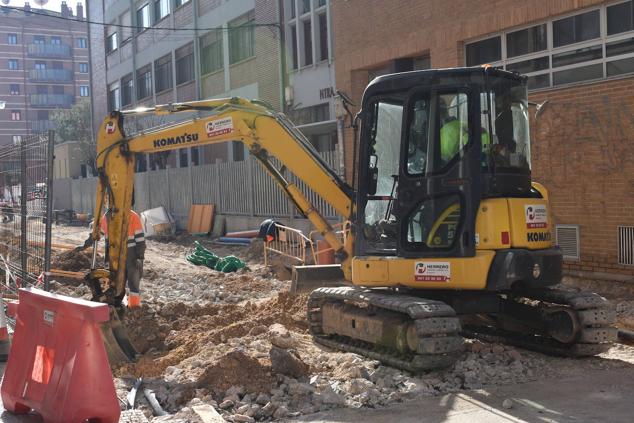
(441, 244)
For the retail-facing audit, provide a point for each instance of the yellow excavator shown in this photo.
(449, 237)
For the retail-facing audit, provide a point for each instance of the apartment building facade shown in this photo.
(310, 92)
(579, 57)
(164, 51)
(44, 65)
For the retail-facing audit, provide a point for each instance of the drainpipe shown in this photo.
(196, 52)
(340, 113)
(282, 55)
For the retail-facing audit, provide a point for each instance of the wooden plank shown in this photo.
(200, 219)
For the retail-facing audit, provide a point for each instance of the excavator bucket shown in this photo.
(311, 277)
(116, 340)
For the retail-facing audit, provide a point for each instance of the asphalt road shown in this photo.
(595, 396)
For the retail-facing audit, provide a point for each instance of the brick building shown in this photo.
(44, 65)
(219, 50)
(579, 56)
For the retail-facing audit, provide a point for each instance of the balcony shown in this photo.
(41, 125)
(51, 100)
(50, 75)
(49, 50)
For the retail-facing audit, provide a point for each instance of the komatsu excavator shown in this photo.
(449, 236)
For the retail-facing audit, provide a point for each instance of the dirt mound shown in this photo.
(73, 261)
(237, 369)
(195, 330)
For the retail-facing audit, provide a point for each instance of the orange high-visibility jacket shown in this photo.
(135, 229)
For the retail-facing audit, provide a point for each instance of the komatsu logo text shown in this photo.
(182, 139)
(538, 236)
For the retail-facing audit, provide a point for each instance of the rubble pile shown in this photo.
(236, 347)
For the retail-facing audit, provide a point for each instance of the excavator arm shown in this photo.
(266, 134)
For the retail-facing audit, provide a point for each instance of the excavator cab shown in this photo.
(433, 145)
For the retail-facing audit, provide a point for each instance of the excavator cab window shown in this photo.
(506, 138)
(380, 227)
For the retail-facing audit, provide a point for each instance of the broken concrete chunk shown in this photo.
(208, 414)
(281, 337)
(287, 363)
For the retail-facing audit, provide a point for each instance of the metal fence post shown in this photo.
(218, 185)
(250, 185)
(23, 211)
(49, 208)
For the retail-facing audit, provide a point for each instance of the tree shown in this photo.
(75, 124)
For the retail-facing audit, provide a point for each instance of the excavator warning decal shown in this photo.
(219, 127)
(536, 216)
(432, 271)
(110, 128)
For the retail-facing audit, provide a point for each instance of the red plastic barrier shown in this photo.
(58, 364)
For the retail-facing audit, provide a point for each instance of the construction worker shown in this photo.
(454, 134)
(134, 258)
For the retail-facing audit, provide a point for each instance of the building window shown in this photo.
(81, 42)
(16, 115)
(39, 39)
(308, 43)
(12, 38)
(41, 89)
(211, 52)
(485, 51)
(161, 9)
(143, 18)
(40, 65)
(144, 83)
(321, 3)
(185, 64)
(17, 139)
(575, 29)
(126, 90)
(323, 36)
(179, 3)
(163, 73)
(242, 38)
(113, 98)
(577, 53)
(83, 91)
(83, 67)
(305, 6)
(13, 64)
(526, 41)
(195, 156)
(57, 41)
(14, 89)
(295, 64)
(293, 11)
(112, 42)
(620, 18)
(312, 114)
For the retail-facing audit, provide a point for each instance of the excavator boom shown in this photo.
(266, 134)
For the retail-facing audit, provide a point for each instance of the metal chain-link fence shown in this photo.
(26, 172)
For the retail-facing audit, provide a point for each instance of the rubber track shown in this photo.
(436, 324)
(595, 314)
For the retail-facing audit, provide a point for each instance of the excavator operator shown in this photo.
(134, 257)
